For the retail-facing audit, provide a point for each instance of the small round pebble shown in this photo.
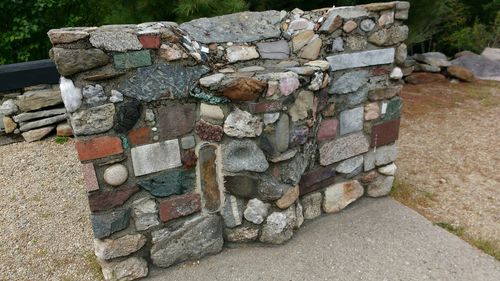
(116, 174)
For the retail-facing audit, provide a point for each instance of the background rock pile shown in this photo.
(235, 128)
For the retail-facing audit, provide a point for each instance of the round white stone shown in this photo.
(116, 174)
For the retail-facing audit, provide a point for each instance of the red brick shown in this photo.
(99, 147)
(89, 177)
(139, 136)
(265, 106)
(150, 41)
(327, 129)
(179, 206)
(316, 179)
(110, 199)
(385, 133)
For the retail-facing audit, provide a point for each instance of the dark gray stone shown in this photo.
(238, 27)
(435, 59)
(349, 82)
(94, 94)
(162, 80)
(243, 155)
(361, 59)
(127, 116)
(106, 224)
(241, 185)
(191, 240)
(174, 181)
(270, 189)
(279, 227)
(232, 213)
(482, 67)
(71, 61)
(274, 50)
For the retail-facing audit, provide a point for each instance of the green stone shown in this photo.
(132, 59)
(174, 181)
(393, 109)
(208, 98)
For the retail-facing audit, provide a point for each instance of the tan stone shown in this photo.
(311, 51)
(349, 26)
(461, 73)
(64, 130)
(372, 111)
(339, 196)
(335, 24)
(288, 198)
(113, 248)
(37, 134)
(9, 125)
(302, 39)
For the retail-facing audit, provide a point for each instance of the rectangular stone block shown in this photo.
(139, 136)
(150, 41)
(156, 157)
(393, 110)
(361, 59)
(110, 199)
(343, 148)
(176, 120)
(89, 177)
(316, 179)
(132, 59)
(385, 133)
(274, 50)
(265, 106)
(208, 178)
(99, 147)
(179, 206)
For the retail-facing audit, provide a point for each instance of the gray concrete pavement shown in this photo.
(374, 239)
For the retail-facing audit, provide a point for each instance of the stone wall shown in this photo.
(231, 129)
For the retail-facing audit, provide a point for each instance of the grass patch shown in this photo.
(486, 247)
(93, 264)
(411, 196)
(61, 140)
(483, 95)
(458, 231)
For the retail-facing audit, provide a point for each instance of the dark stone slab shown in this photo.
(179, 206)
(110, 199)
(316, 179)
(127, 116)
(393, 109)
(19, 75)
(162, 80)
(241, 185)
(176, 120)
(385, 133)
(174, 181)
(106, 224)
(208, 178)
(274, 50)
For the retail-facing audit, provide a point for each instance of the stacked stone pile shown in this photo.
(230, 129)
(34, 113)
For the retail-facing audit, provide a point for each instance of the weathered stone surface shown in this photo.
(110, 199)
(350, 165)
(381, 156)
(132, 59)
(380, 187)
(269, 188)
(105, 224)
(491, 53)
(316, 179)
(377, 7)
(94, 95)
(33, 100)
(312, 49)
(351, 120)
(241, 53)
(270, 118)
(150, 41)
(302, 39)
(298, 135)
(244, 89)
(139, 136)
(67, 35)
(384, 93)
(311, 204)
(289, 197)
(389, 36)
(116, 175)
(103, 75)
(361, 59)
(302, 106)
(356, 42)
(425, 78)
(171, 182)
(386, 18)
(42, 122)
(401, 54)
(331, 24)
(208, 178)
(327, 130)
(151, 158)
(9, 125)
(176, 120)
(256, 211)
(385, 133)
(461, 73)
(289, 83)
(179, 206)
(344, 13)
(303, 70)
(337, 45)
(71, 61)
(393, 110)
(127, 116)
(244, 186)
(212, 81)
(189, 159)
(238, 27)
(349, 82)
(115, 41)
(349, 26)
(209, 132)
(316, 81)
(232, 213)
(98, 147)
(162, 80)
(8, 108)
(89, 177)
(194, 238)
(37, 134)
(145, 213)
(243, 155)
(71, 96)
(113, 248)
(171, 53)
(435, 59)
(396, 73)
(389, 170)
(241, 234)
(188, 142)
(279, 227)
(116, 96)
(274, 50)
(339, 196)
(27, 116)
(299, 215)
(367, 25)
(343, 148)
(241, 124)
(130, 269)
(372, 111)
(94, 120)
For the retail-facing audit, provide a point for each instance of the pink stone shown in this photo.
(288, 85)
(89, 177)
(327, 129)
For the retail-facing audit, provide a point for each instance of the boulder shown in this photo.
(433, 58)
(491, 53)
(482, 67)
(425, 78)
(461, 73)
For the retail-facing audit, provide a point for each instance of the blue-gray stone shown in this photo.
(361, 59)
(174, 181)
(343, 102)
(162, 80)
(243, 155)
(349, 82)
(351, 120)
(106, 224)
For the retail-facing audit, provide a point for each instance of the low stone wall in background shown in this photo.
(230, 129)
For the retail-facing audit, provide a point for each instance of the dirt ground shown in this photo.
(450, 158)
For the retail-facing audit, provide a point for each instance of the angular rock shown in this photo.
(115, 41)
(279, 227)
(42, 122)
(94, 120)
(188, 142)
(339, 196)
(116, 174)
(361, 59)
(152, 158)
(389, 170)
(145, 213)
(303, 104)
(381, 156)
(380, 187)
(311, 204)
(243, 155)
(176, 120)
(337, 45)
(386, 18)
(241, 124)
(211, 81)
(303, 70)
(71, 61)
(179, 206)
(299, 214)
(139, 136)
(289, 83)
(241, 53)
(256, 211)
(244, 89)
(244, 186)
(171, 53)
(331, 24)
(349, 26)
(208, 178)
(270, 118)
(110, 199)
(37, 134)
(351, 120)
(372, 111)
(150, 41)
(302, 39)
(274, 50)
(67, 35)
(461, 73)
(241, 234)
(349, 82)
(130, 269)
(316, 81)
(71, 96)
(105, 224)
(170, 182)
(350, 165)
(9, 125)
(8, 108)
(116, 96)
(289, 197)
(344, 13)
(114, 248)
(162, 80)
(209, 132)
(238, 27)
(127, 116)
(316, 179)
(312, 49)
(232, 213)
(435, 59)
(393, 109)
(390, 36)
(269, 188)
(327, 130)
(94, 94)
(343, 148)
(33, 100)
(27, 116)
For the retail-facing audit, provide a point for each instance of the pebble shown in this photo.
(116, 174)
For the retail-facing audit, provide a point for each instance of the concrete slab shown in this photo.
(374, 239)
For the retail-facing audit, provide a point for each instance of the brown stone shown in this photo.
(316, 179)
(176, 120)
(378, 71)
(189, 159)
(99, 147)
(179, 206)
(150, 41)
(425, 78)
(9, 125)
(290, 196)
(385, 133)
(110, 199)
(89, 177)
(64, 130)
(244, 89)
(139, 136)
(461, 73)
(209, 132)
(265, 106)
(369, 177)
(208, 178)
(384, 93)
(336, 24)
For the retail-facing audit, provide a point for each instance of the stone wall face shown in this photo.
(230, 129)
